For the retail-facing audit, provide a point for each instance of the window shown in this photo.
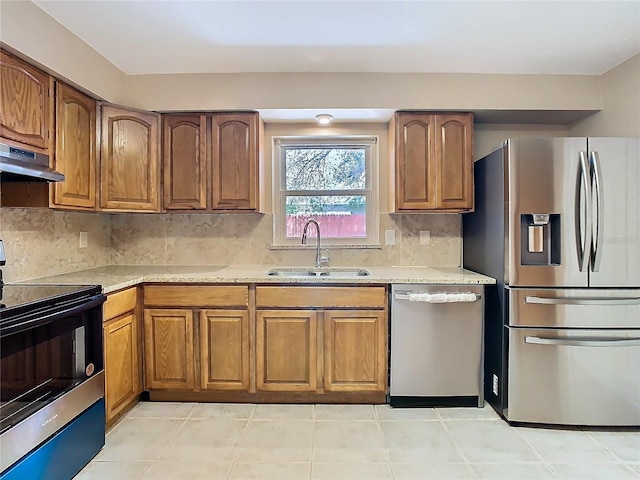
(329, 179)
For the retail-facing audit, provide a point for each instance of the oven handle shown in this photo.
(70, 309)
(574, 342)
(582, 301)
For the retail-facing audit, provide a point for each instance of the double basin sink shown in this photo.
(318, 272)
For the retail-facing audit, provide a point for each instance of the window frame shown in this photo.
(370, 192)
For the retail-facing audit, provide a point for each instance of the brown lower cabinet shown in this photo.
(321, 351)
(168, 349)
(123, 382)
(355, 351)
(286, 349)
(172, 352)
(224, 350)
(329, 341)
(197, 338)
(297, 344)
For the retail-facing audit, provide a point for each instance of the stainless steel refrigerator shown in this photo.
(557, 223)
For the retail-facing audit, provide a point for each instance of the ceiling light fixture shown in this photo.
(324, 119)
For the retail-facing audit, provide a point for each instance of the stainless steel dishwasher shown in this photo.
(436, 345)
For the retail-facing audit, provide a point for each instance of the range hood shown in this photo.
(20, 165)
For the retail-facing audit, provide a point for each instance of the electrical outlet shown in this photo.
(425, 237)
(495, 384)
(84, 240)
(390, 237)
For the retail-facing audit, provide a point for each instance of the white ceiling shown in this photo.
(530, 37)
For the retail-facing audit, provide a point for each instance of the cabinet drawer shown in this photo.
(320, 297)
(120, 303)
(196, 296)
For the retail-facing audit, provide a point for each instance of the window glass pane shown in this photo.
(322, 168)
(338, 216)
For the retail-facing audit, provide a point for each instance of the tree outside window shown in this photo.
(330, 182)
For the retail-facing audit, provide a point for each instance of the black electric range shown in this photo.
(52, 384)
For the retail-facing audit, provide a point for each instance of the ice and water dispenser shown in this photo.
(540, 236)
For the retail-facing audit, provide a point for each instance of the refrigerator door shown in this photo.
(574, 308)
(574, 377)
(615, 256)
(548, 181)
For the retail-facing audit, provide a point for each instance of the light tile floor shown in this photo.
(185, 441)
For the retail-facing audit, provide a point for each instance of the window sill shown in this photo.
(323, 246)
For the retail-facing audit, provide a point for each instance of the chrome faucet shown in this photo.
(319, 258)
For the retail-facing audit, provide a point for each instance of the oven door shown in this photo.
(51, 370)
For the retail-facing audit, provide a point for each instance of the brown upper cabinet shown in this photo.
(75, 149)
(26, 104)
(184, 159)
(234, 159)
(211, 161)
(432, 164)
(129, 160)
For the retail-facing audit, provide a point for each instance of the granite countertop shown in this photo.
(116, 277)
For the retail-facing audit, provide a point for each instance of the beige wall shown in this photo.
(620, 115)
(41, 242)
(489, 137)
(27, 30)
(364, 90)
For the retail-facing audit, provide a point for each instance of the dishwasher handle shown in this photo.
(437, 297)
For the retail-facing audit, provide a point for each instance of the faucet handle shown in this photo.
(326, 259)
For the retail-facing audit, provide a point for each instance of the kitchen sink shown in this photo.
(318, 272)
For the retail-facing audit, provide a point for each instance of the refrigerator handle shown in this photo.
(582, 300)
(581, 342)
(583, 244)
(598, 212)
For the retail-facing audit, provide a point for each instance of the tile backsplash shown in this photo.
(245, 239)
(41, 242)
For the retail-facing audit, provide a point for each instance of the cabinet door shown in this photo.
(235, 161)
(129, 161)
(75, 155)
(224, 349)
(454, 152)
(168, 349)
(286, 350)
(355, 351)
(26, 103)
(120, 364)
(415, 164)
(184, 157)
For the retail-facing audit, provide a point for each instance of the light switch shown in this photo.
(425, 237)
(390, 237)
(84, 240)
